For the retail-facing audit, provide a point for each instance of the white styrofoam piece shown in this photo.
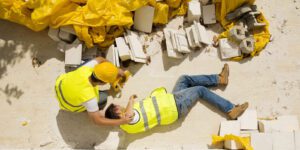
(230, 127)
(202, 34)
(247, 133)
(231, 144)
(261, 141)
(175, 23)
(288, 123)
(174, 41)
(194, 11)
(53, 34)
(90, 53)
(110, 54)
(283, 141)
(116, 58)
(123, 49)
(65, 36)
(196, 36)
(248, 120)
(190, 37)
(135, 45)
(297, 140)
(228, 49)
(170, 50)
(73, 54)
(143, 19)
(182, 43)
(209, 14)
(68, 29)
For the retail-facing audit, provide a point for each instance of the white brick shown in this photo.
(122, 48)
(170, 49)
(248, 120)
(231, 144)
(194, 11)
(288, 123)
(196, 36)
(230, 127)
(180, 42)
(116, 58)
(73, 53)
(283, 141)
(297, 139)
(209, 14)
(261, 141)
(190, 37)
(228, 49)
(135, 45)
(53, 34)
(65, 36)
(89, 53)
(68, 29)
(143, 19)
(247, 133)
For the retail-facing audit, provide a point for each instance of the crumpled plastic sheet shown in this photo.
(94, 21)
(261, 35)
(244, 141)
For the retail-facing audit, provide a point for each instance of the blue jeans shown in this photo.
(189, 89)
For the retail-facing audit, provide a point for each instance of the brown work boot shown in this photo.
(223, 76)
(237, 111)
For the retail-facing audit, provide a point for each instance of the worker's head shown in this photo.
(114, 111)
(104, 72)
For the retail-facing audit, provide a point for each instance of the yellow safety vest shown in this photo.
(73, 89)
(158, 109)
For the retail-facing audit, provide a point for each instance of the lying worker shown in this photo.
(163, 108)
(78, 90)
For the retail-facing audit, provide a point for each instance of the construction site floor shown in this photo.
(31, 118)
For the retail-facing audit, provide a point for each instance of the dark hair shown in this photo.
(110, 112)
(94, 79)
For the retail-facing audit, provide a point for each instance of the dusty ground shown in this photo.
(270, 82)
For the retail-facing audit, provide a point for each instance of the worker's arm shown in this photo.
(100, 59)
(99, 119)
(129, 107)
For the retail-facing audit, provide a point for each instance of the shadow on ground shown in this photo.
(79, 132)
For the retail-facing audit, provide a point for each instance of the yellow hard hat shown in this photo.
(106, 72)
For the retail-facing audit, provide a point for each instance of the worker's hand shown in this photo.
(132, 97)
(127, 118)
(121, 73)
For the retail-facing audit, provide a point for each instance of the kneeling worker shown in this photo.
(162, 108)
(78, 90)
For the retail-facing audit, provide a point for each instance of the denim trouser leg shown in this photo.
(189, 89)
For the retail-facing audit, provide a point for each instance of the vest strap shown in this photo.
(154, 101)
(146, 125)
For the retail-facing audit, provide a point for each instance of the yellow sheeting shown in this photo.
(261, 36)
(95, 21)
(244, 141)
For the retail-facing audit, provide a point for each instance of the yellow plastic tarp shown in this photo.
(94, 21)
(261, 35)
(244, 141)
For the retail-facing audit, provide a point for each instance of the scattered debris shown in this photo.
(228, 49)
(194, 11)
(209, 14)
(143, 19)
(36, 62)
(45, 144)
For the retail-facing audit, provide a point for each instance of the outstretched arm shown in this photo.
(129, 107)
(99, 119)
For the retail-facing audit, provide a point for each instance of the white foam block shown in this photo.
(288, 123)
(65, 36)
(73, 54)
(116, 58)
(122, 48)
(209, 14)
(135, 45)
(190, 37)
(202, 34)
(194, 11)
(110, 54)
(231, 144)
(196, 36)
(249, 120)
(53, 34)
(182, 43)
(170, 49)
(247, 133)
(283, 141)
(230, 127)
(143, 19)
(68, 29)
(261, 141)
(228, 49)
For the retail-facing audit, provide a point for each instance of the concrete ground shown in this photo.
(270, 82)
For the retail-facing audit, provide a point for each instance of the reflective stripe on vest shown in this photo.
(154, 102)
(64, 100)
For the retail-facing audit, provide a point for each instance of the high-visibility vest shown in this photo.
(74, 88)
(158, 109)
